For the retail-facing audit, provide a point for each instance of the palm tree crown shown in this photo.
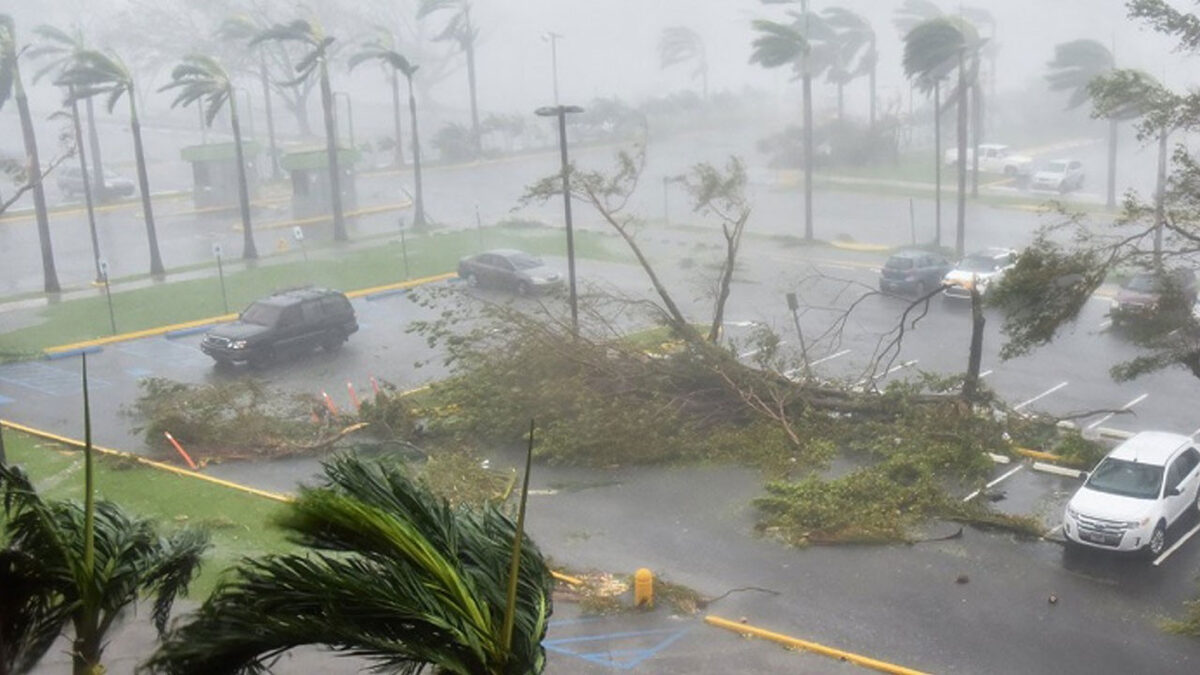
(679, 44)
(396, 575)
(1075, 65)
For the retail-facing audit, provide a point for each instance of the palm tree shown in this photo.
(241, 28)
(914, 12)
(802, 44)
(1075, 65)
(854, 52)
(384, 43)
(94, 73)
(399, 64)
(679, 44)
(460, 30)
(931, 50)
(84, 564)
(315, 63)
(11, 86)
(396, 575)
(202, 77)
(63, 47)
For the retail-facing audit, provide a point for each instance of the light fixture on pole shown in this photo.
(561, 112)
(552, 37)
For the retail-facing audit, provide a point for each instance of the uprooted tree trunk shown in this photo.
(970, 390)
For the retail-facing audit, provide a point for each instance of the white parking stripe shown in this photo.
(752, 352)
(975, 494)
(889, 372)
(1107, 417)
(1040, 396)
(985, 374)
(1106, 324)
(830, 357)
(1052, 531)
(1193, 434)
(1179, 543)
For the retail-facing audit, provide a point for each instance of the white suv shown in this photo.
(1135, 494)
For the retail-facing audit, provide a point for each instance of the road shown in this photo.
(695, 524)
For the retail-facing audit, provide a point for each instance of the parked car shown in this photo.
(509, 269)
(981, 269)
(1141, 296)
(994, 158)
(291, 321)
(1061, 175)
(1134, 495)
(70, 182)
(912, 271)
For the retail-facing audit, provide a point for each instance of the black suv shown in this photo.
(289, 321)
(913, 271)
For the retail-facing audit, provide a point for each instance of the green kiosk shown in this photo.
(309, 170)
(214, 172)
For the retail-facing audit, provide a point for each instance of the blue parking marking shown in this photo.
(138, 373)
(164, 352)
(47, 379)
(619, 659)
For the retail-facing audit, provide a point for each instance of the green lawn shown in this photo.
(238, 522)
(179, 301)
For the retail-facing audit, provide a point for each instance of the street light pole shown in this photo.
(552, 37)
(561, 112)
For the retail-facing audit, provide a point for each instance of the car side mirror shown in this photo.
(1174, 492)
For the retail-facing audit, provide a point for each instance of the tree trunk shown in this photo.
(3, 461)
(419, 198)
(87, 183)
(85, 659)
(399, 160)
(331, 149)
(94, 145)
(49, 272)
(156, 265)
(961, 222)
(1160, 197)
(249, 251)
(475, 136)
(1112, 164)
(975, 356)
(266, 90)
(976, 133)
(808, 154)
(937, 164)
(733, 240)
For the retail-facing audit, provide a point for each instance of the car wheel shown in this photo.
(472, 280)
(333, 340)
(524, 289)
(262, 359)
(1158, 540)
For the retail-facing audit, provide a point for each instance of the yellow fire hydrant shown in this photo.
(643, 588)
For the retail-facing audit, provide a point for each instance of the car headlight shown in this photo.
(1072, 513)
(1138, 523)
(240, 344)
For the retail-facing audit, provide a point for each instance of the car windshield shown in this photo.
(523, 261)
(977, 263)
(1057, 167)
(898, 263)
(1143, 283)
(262, 314)
(1125, 478)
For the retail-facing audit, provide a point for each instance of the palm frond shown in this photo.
(678, 44)
(239, 27)
(914, 12)
(777, 44)
(296, 31)
(428, 7)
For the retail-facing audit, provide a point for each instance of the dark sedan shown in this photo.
(509, 269)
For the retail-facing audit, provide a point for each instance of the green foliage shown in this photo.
(454, 143)
(1079, 451)
(389, 414)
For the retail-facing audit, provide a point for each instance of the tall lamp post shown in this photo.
(552, 37)
(561, 112)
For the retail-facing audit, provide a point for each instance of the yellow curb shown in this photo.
(147, 462)
(326, 217)
(566, 578)
(796, 643)
(856, 246)
(403, 284)
(1043, 456)
(122, 337)
(76, 210)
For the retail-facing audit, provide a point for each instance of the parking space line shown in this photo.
(1107, 417)
(1106, 324)
(891, 370)
(1040, 396)
(985, 373)
(752, 352)
(830, 357)
(1010, 472)
(1191, 533)
(1052, 531)
(1193, 434)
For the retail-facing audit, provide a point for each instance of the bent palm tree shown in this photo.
(93, 73)
(396, 575)
(931, 50)
(241, 28)
(679, 44)
(803, 45)
(854, 52)
(383, 43)
(91, 562)
(202, 77)
(1074, 66)
(11, 87)
(315, 63)
(398, 64)
(460, 30)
